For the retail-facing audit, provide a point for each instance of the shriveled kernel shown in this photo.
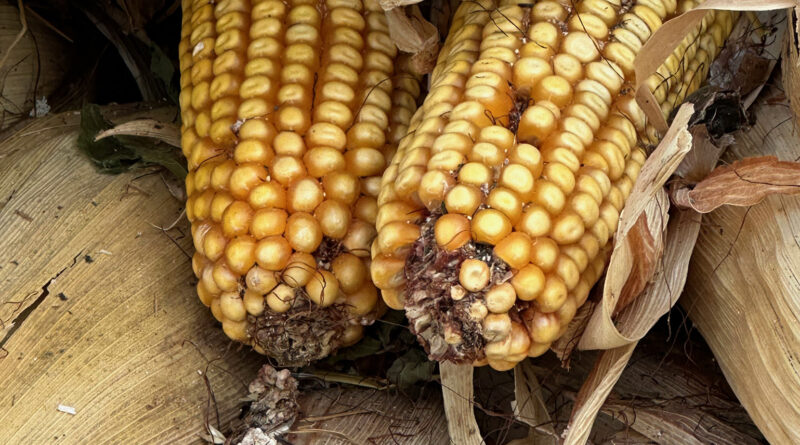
(474, 275)
(501, 298)
(496, 327)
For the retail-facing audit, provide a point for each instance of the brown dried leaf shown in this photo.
(664, 41)
(743, 183)
(703, 157)
(415, 35)
(150, 128)
(649, 248)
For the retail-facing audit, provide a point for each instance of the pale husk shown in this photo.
(743, 294)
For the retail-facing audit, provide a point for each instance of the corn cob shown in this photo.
(291, 110)
(495, 215)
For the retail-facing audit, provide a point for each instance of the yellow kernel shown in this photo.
(463, 198)
(542, 327)
(535, 124)
(363, 300)
(528, 282)
(304, 195)
(496, 326)
(323, 288)
(555, 89)
(350, 271)
(239, 254)
(544, 253)
(397, 235)
(334, 218)
(299, 269)
(303, 232)
(261, 280)
(232, 306)
(281, 299)
(514, 249)
(535, 221)
(452, 231)
(359, 238)
(518, 178)
(490, 226)
(236, 219)
(387, 272)
(581, 46)
(567, 228)
(272, 253)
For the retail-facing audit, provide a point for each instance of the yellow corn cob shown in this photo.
(496, 213)
(291, 110)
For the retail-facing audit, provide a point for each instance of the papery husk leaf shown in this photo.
(529, 406)
(457, 391)
(743, 183)
(415, 35)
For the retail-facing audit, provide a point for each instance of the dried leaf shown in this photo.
(704, 155)
(457, 391)
(116, 154)
(649, 247)
(664, 41)
(388, 5)
(743, 183)
(791, 63)
(415, 35)
(529, 406)
(163, 131)
(411, 368)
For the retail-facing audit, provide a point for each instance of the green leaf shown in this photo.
(411, 368)
(117, 154)
(163, 69)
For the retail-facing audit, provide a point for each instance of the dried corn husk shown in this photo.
(33, 68)
(743, 294)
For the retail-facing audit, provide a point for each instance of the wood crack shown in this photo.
(17, 322)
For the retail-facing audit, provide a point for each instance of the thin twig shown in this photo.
(20, 34)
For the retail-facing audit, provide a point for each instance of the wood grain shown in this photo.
(102, 304)
(743, 293)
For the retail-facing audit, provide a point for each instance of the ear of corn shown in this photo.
(496, 214)
(291, 111)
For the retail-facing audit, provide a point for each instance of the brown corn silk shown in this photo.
(496, 215)
(291, 111)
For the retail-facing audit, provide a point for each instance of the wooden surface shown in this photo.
(109, 336)
(743, 293)
(99, 313)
